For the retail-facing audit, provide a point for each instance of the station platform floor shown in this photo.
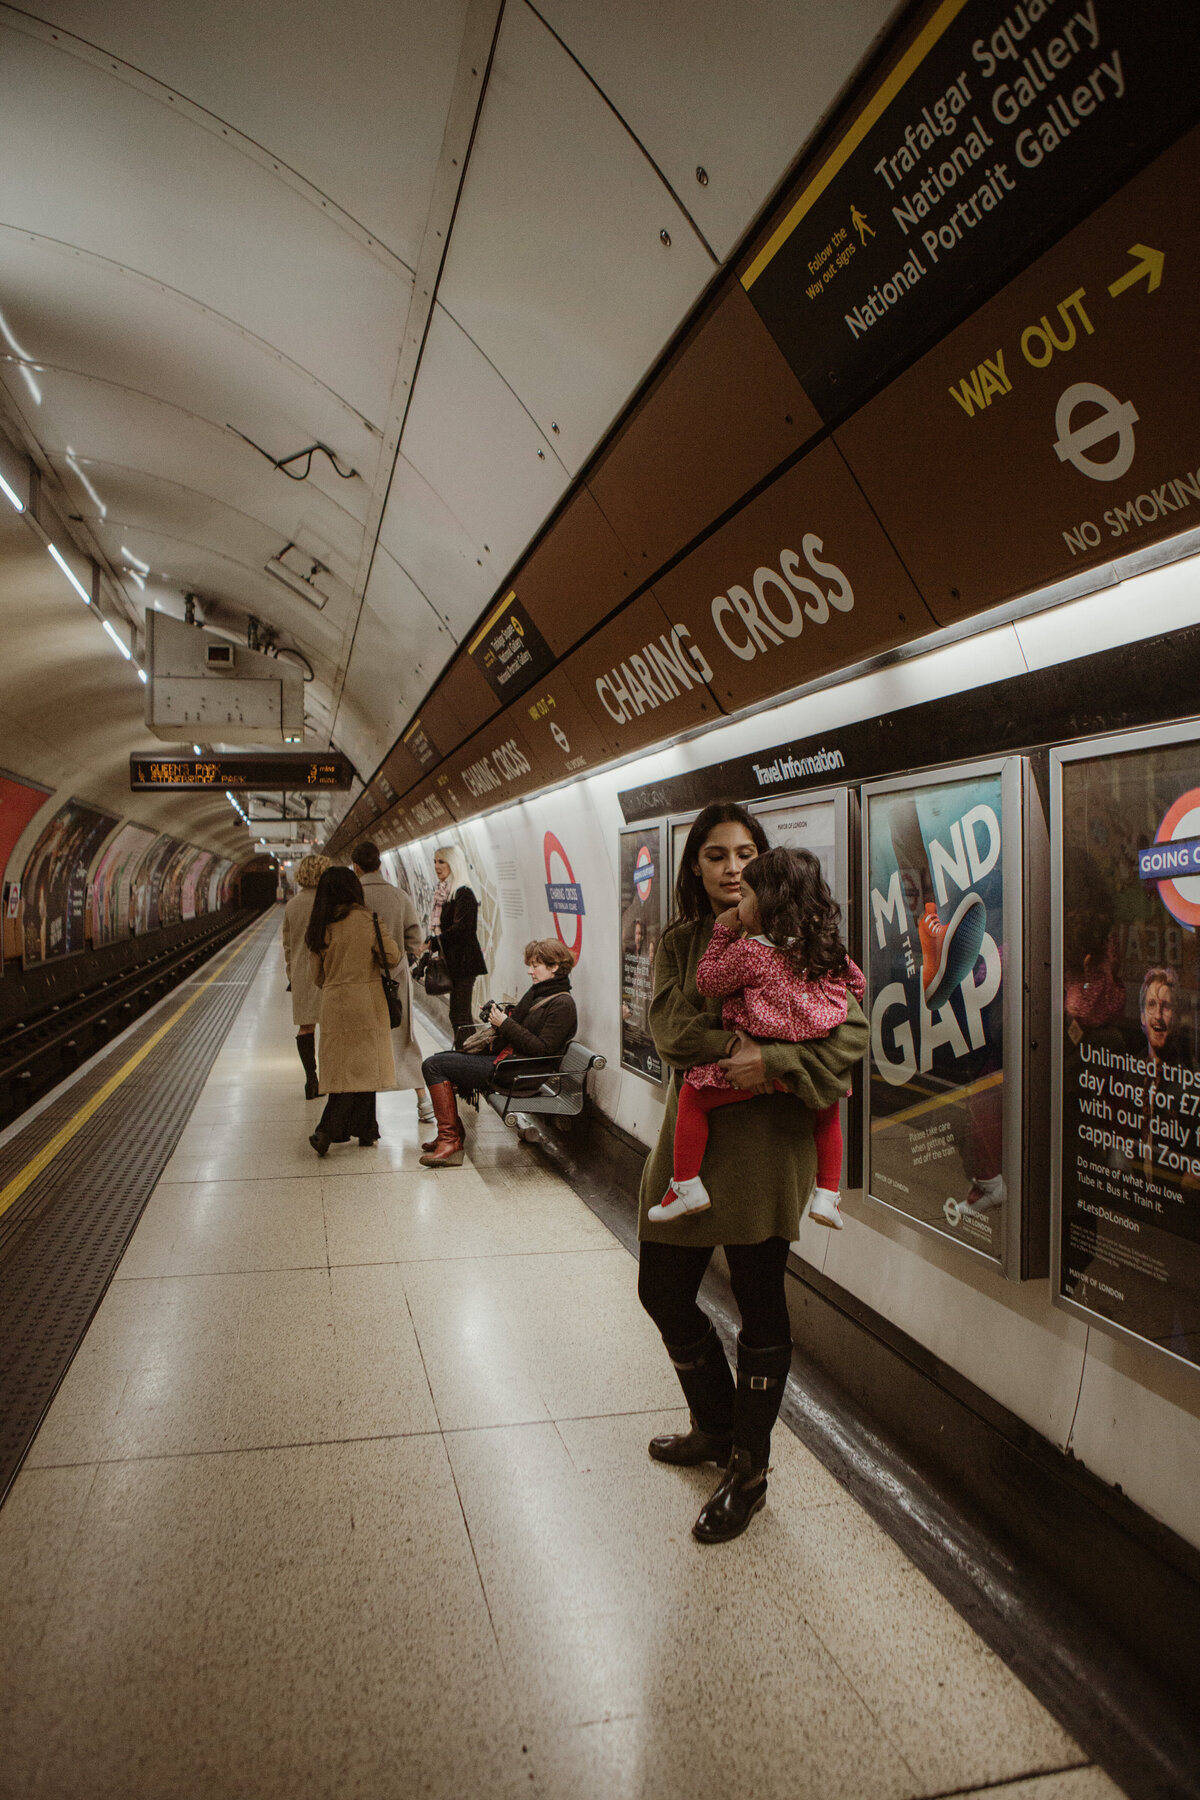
(346, 1494)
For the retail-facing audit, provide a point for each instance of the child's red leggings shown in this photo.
(691, 1132)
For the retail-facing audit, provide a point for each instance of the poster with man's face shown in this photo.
(54, 884)
(1128, 1129)
(935, 919)
(642, 919)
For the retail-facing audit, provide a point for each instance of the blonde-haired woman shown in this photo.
(306, 995)
(453, 919)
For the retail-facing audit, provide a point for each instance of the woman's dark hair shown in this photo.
(691, 901)
(798, 913)
(337, 891)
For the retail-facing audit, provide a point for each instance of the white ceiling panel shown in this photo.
(470, 438)
(556, 268)
(399, 649)
(356, 97)
(137, 183)
(76, 311)
(734, 90)
(93, 429)
(456, 575)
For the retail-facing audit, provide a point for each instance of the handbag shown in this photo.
(483, 1039)
(391, 987)
(437, 975)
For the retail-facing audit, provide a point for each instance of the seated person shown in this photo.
(542, 1024)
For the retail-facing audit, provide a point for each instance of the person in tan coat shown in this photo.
(356, 1041)
(398, 915)
(306, 996)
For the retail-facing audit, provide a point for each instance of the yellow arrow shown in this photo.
(1151, 264)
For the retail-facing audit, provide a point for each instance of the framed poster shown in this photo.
(943, 931)
(643, 915)
(55, 882)
(1125, 980)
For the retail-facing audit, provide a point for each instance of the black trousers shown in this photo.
(347, 1116)
(460, 1002)
(669, 1277)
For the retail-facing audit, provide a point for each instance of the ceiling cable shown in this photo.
(281, 463)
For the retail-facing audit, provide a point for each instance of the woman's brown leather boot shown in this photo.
(447, 1151)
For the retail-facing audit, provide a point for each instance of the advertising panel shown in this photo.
(1126, 983)
(19, 801)
(643, 916)
(943, 957)
(111, 884)
(54, 885)
(170, 899)
(195, 886)
(144, 896)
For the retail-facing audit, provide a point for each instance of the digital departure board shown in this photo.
(287, 771)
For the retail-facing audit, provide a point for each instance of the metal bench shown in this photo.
(559, 1094)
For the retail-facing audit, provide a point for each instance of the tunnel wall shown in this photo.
(1127, 1413)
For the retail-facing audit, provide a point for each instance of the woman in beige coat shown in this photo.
(306, 996)
(356, 1039)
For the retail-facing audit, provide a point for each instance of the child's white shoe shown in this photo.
(825, 1209)
(681, 1197)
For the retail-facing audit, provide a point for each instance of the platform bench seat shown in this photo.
(560, 1094)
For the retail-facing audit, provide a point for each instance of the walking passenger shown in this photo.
(306, 995)
(760, 1165)
(778, 962)
(541, 1025)
(398, 915)
(356, 1041)
(453, 923)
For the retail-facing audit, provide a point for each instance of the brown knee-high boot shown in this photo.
(447, 1152)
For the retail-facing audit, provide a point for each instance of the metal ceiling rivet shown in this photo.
(665, 238)
(542, 454)
(702, 177)
(554, 427)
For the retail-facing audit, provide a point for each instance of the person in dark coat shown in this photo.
(453, 926)
(542, 1025)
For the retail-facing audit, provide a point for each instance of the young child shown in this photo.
(778, 962)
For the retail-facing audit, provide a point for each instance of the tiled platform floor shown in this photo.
(346, 1495)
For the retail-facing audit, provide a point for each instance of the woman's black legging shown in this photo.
(460, 1002)
(669, 1277)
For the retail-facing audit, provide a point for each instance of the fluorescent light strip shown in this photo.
(116, 640)
(143, 677)
(10, 495)
(70, 574)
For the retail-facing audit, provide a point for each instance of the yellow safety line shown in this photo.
(16, 1187)
(914, 1112)
(490, 621)
(875, 107)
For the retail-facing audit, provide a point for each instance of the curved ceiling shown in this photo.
(442, 239)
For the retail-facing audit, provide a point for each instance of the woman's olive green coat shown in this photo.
(761, 1161)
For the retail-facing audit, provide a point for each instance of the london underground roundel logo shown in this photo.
(1180, 830)
(564, 896)
(643, 872)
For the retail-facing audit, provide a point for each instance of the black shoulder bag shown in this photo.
(391, 987)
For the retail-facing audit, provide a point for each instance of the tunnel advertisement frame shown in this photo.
(1108, 748)
(1007, 776)
(638, 1051)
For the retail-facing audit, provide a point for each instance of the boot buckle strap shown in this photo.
(758, 1383)
(686, 1366)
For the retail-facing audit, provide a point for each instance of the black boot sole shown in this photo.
(320, 1144)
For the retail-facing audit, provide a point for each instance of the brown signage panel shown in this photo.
(643, 678)
(508, 649)
(562, 734)
(725, 412)
(1056, 429)
(425, 811)
(801, 582)
(496, 765)
(576, 576)
(401, 769)
(458, 705)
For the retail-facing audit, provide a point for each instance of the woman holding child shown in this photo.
(760, 1161)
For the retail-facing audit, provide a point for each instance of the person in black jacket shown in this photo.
(452, 930)
(542, 1025)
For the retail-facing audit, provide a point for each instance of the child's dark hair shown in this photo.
(799, 914)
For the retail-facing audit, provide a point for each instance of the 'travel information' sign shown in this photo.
(1000, 126)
